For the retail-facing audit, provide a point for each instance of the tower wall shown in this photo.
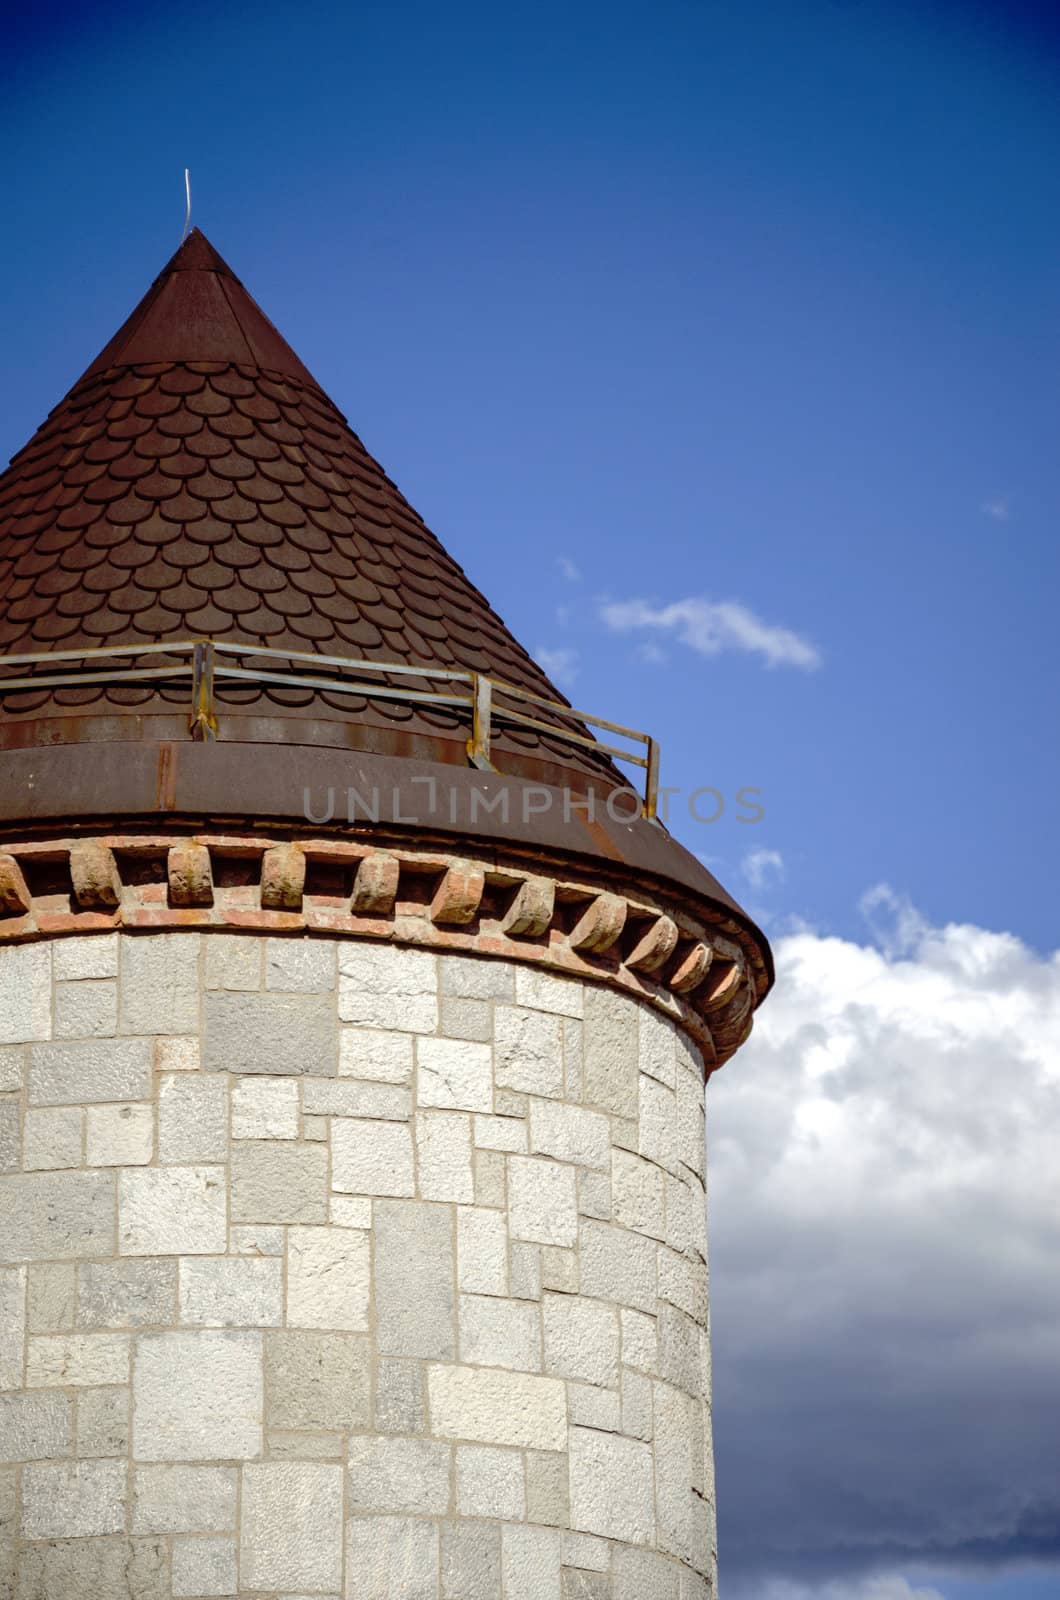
(346, 1269)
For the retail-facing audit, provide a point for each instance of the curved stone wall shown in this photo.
(346, 1269)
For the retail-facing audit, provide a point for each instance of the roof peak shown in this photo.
(198, 310)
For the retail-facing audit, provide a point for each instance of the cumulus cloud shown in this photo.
(561, 665)
(762, 868)
(885, 1276)
(569, 569)
(711, 626)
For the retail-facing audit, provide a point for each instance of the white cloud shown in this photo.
(560, 665)
(569, 570)
(711, 626)
(651, 655)
(998, 508)
(880, 1586)
(885, 1276)
(762, 868)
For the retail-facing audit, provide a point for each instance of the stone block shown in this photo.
(231, 1292)
(95, 1569)
(414, 1272)
(528, 1050)
(375, 1056)
(530, 1563)
(471, 979)
(578, 1585)
(611, 1486)
(443, 1156)
(399, 1396)
(501, 1133)
(291, 1526)
(86, 1010)
(683, 1282)
(178, 1055)
(454, 1075)
(500, 1333)
(317, 1380)
(388, 986)
(184, 1500)
(85, 956)
(643, 1575)
(581, 1339)
(204, 1567)
(570, 1133)
(50, 1296)
(466, 1019)
(471, 1561)
(190, 874)
(73, 1499)
(640, 1343)
(543, 991)
(36, 1427)
(350, 1211)
(120, 1135)
(12, 1066)
(547, 1492)
(573, 1060)
(610, 1051)
(679, 1351)
(197, 1396)
(71, 1073)
(637, 1415)
(68, 1360)
(490, 1406)
(391, 1558)
(525, 1271)
(328, 1279)
(164, 1211)
(638, 1194)
(372, 1158)
(282, 878)
(334, 1097)
(678, 1431)
(481, 1251)
(127, 1294)
(300, 966)
(490, 1178)
(103, 1422)
(51, 1138)
(591, 1407)
(657, 1125)
(395, 1475)
(44, 1215)
(232, 961)
(25, 993)
(265, 1108)
(284, 1035)
(277, 1182)
(160, 984)
(559, 1269)
(10, 1127)
(542, 1201)
(656, 1047)
(585, 1550)
(490, 1482)
(618, 1265)
(192, 1118)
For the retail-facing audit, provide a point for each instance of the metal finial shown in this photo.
(187, 214)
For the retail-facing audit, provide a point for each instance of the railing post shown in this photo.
(478, 746)
(202, 723)
(651, 781)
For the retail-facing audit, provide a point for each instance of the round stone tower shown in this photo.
(355, 1015)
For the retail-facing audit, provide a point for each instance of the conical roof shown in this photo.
(197, 481)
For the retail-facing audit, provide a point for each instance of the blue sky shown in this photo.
(718, 343)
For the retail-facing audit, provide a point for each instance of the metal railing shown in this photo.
(205, 662)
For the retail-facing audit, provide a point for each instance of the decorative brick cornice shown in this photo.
(706, 976)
